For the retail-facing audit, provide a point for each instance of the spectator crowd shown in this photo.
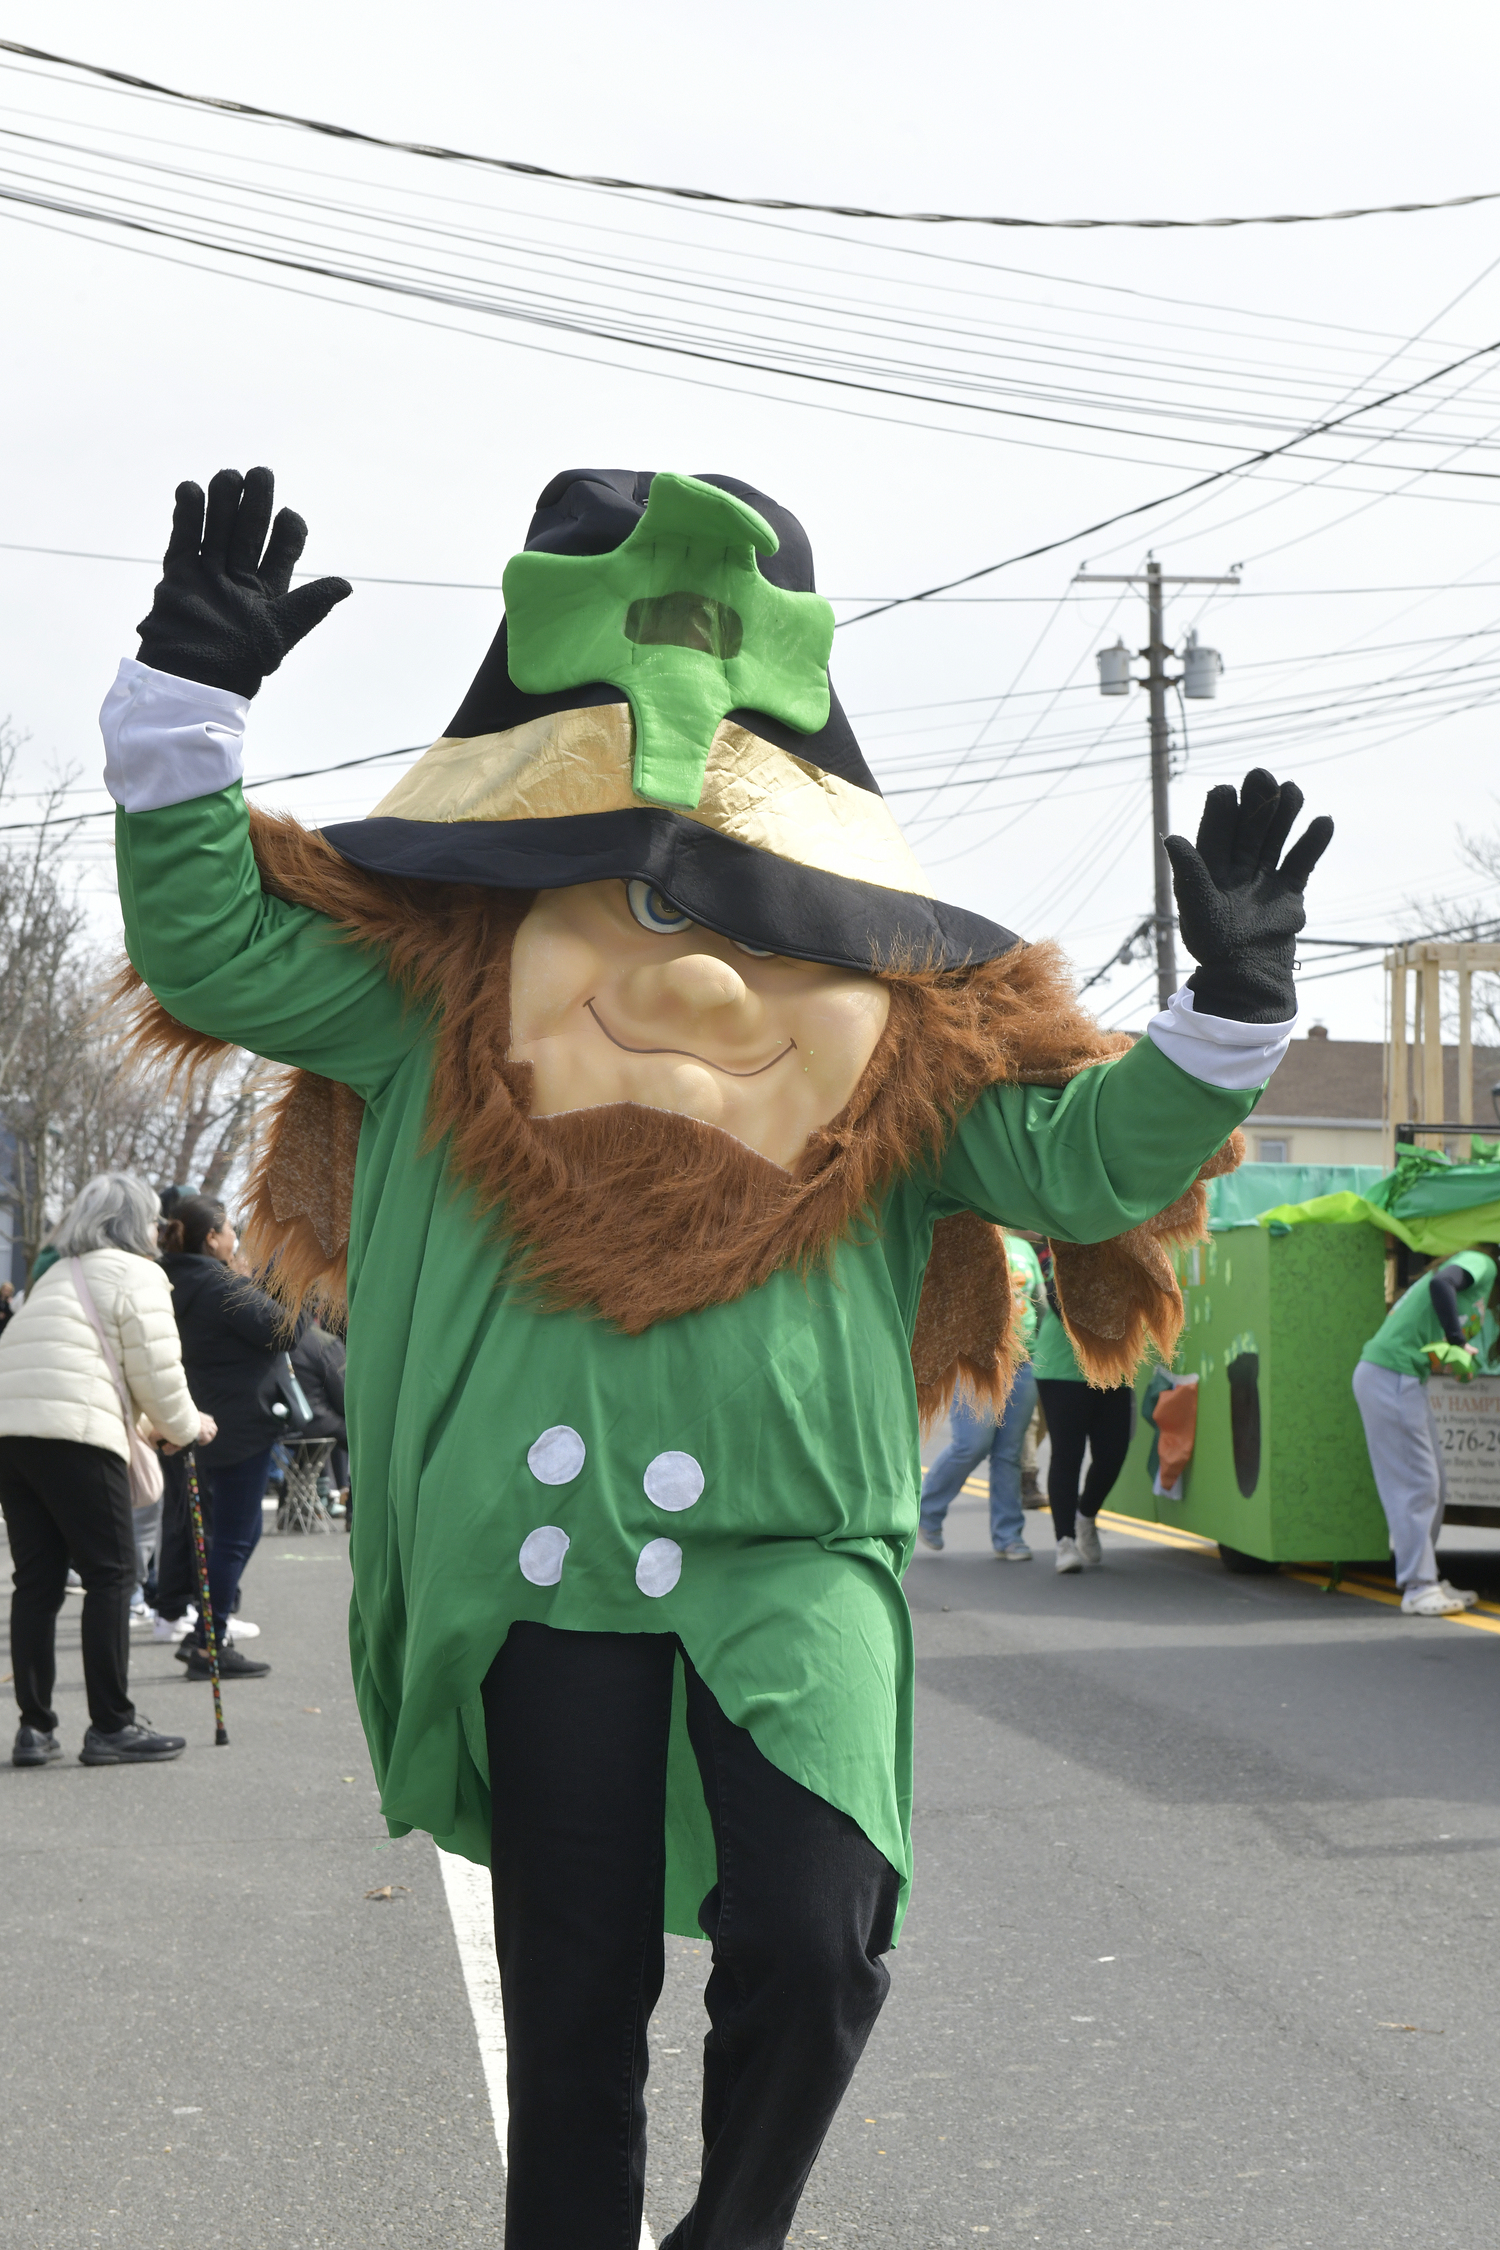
(142, 1364)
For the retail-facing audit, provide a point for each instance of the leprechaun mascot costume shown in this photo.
(656, 1124)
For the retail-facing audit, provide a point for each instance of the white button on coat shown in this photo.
(659, 1567)
(542, 1553)
(673, 1481)
(557, 1455)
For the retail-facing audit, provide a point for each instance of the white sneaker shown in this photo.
(140, 1615)
(1459, 1593)
(171, 1628)
(1087, 1541)
(240, 1629)
(1431, 1601)
(1068, 1557)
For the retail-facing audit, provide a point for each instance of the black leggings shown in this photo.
(800, 1914)
(1077, 1415)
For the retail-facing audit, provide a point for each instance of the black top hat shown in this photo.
(764, 824)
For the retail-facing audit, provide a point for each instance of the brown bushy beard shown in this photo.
(635, 1215)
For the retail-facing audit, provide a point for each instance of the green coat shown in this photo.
(797, 1401)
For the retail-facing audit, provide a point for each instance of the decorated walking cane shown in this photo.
(205, 1604)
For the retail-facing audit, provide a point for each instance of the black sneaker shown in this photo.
(137, 1745)
(232, 1666)
(34, 1749)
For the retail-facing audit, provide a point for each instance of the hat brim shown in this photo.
(753, 896)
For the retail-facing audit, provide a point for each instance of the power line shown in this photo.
(1199, 484)
(268, 781)
(435, 151)
(625, 328)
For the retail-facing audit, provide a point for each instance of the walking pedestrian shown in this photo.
(975, 1432)
(1078, 1417)
(232, 1337)
(93, 1347)
(1445, 1306)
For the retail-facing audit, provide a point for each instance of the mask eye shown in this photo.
(756, 952)
(654, 910)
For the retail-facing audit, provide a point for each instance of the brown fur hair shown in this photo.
(639, 1215)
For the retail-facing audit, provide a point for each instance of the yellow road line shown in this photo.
(1391, 1599)
(1484, 1618)
(1482, 1609)
(1162, 1534)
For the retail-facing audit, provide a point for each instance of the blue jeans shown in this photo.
(231, 1508)
(973, 1435)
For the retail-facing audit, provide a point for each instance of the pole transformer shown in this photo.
(1198, 678)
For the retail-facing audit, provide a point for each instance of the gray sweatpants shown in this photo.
(1407, 1459)
(146, 1524)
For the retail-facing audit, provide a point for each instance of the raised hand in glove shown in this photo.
(224, 612)
(1239, 913)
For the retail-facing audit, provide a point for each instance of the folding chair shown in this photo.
(304, 1506)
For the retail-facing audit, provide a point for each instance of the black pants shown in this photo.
(1077, 1415)
(800, 1914)
(69, 1504)
(230, 1495)
(176, 1557)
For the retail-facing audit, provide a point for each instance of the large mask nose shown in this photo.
(692, 985)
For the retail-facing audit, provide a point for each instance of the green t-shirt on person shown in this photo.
(1412, 1323)
(1053, 1358)
(1026, 1277)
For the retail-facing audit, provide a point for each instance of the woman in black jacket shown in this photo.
(232, 1338)
(318, 1364)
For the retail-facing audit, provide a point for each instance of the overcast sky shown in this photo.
(416, 444)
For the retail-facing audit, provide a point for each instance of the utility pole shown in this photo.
(1161, 816)
(1198, 678)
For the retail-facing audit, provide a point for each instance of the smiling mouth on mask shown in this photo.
(687, 1054)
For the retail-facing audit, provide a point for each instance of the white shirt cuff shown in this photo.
(167, 740)
(1232, 1056)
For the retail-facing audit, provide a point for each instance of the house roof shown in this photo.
(1343, 1080)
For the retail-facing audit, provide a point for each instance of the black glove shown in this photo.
(222, 613)
(1238, 912)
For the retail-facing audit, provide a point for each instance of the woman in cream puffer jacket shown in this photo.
(64, 1460)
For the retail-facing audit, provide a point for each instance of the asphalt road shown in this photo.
(1192, 1849)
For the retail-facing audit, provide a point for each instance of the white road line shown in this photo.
(471, 1909)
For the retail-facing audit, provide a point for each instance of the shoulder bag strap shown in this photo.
(91, 1315)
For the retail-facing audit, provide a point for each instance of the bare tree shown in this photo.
(74, 1097)
(1472, 917)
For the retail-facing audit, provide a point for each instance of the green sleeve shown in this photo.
(1093, 1159)
(223, 957)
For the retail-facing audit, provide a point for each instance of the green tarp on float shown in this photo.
(1239, 1198)
(1429, 1202)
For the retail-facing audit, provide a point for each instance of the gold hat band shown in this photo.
(581, 762)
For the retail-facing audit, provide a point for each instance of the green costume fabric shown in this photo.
(1053, 1357)
(1411, 1326)
(1026, 1276)
(797, 1403)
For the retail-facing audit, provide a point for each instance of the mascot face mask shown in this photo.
(618, 997)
